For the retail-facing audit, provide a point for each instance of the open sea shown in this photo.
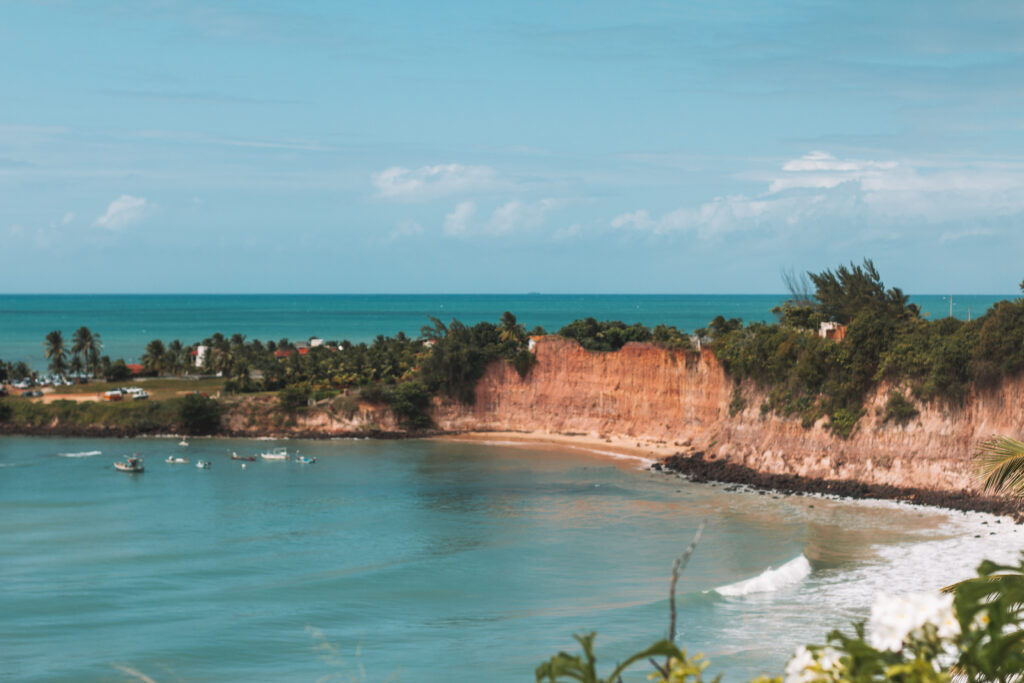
(127, 323)
(425, 560)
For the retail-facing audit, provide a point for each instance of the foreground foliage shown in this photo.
(972, 635)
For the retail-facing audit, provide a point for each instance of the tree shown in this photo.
(87, 345)
(153, 359)
(55, 352)
(176, 357)
(199, 414)
(510, 330)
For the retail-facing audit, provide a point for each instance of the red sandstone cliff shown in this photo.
(651, 394)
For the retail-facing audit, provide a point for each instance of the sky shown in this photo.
(555, 147)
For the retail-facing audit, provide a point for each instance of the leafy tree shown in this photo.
(199, 414)
(117, 371)
(609, 335)
(294, 396)
(56, 352)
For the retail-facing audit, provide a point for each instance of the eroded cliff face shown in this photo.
(263, 416)
(652, 395)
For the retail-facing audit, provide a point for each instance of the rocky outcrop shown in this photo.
(683, 398)
(262, 416)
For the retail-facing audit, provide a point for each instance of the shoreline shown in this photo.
(658, 456)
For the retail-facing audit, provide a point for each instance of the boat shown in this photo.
(236, 456)
(306, 460)
(276, 454)
(132, 464)
(171, 460)
(203, 464)
(184, 441)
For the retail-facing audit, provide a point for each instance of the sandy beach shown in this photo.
(609, 446)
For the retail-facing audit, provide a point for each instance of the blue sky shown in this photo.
(676, 147)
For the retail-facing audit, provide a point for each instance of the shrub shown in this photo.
(409, 402)
(5, 411)
(843, 421)
(118, 371)
(899, 410)
(523, 361)
(199, 414)
(294, 396)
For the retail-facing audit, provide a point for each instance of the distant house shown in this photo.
(833, 331)
(315, 342)
(199, 355)
(533, 341)
(135, 368)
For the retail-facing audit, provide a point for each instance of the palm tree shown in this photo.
(176, 353)
(54, 350)
(999, 464)
(153, 358)
(88, 345)
(510, 330)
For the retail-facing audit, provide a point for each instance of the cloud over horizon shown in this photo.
(122, 212)
(819, 188)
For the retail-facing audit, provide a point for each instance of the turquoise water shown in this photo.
(127, 322)
(422, 561)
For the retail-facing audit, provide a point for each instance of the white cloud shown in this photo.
(68, 217)
(571, 232)
(819, 188)
(122, 212)
(431, 182)
(458, 221)
(513, 216)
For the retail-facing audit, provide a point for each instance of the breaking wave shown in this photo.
(770, 579)
(83, 454)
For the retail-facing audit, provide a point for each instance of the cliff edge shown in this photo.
(654, 395)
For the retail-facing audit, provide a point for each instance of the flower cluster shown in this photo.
(895, 621)
(820, 665)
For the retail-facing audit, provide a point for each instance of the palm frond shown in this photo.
(999, 464)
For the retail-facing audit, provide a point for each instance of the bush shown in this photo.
(843, 421)
(899, 410)
(5, 411)
(199, 414)
(523, 361)
(409, 402)
(294, 396)
(118, 371)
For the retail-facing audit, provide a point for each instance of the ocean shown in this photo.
(426, 560)
(127, 323)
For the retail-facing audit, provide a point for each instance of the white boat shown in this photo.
(276, 454)
(184, 441)
(171, 460)
(203, 464)
(306, 460)
(132, 464)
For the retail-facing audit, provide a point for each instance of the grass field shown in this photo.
(158, 388)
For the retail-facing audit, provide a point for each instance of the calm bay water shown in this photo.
(128, 322)
(423, 561)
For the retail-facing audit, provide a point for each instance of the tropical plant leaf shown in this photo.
(999, 464)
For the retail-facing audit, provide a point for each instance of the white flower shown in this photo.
(799, 668)
(810, 667)
(894, 620)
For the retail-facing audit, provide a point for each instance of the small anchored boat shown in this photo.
(171, 460)
(305, 460)
(276, 454)
(236, 456)
(132, 464)
(203, 464)
(184, 441)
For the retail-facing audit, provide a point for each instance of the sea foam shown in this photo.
(83, 454)
(794, 571)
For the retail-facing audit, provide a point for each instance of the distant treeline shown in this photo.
(885, 339)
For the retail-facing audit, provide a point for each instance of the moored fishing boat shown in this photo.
(172, 460)
(305, 460)
(236, 456)
(203, 464)
(276, 454)
(184, 441)
(132, 464)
